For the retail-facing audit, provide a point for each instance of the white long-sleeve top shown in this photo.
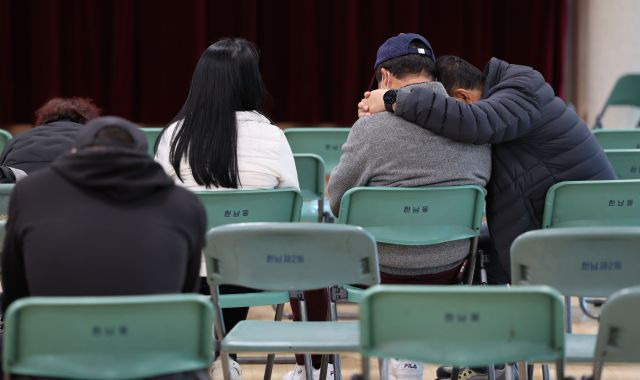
(265, 160)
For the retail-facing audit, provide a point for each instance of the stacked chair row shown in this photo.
(460, 325)
(285, 259)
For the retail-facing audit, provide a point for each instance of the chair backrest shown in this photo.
(625, 162)
(152, 135)
(626, 91)
(618, 333)
(584, 261)
(124, 337)
(5, 136)
(325, 142)
(290, 256)
(5, 195)
(417, 215)
(592, 203)
(462, 325)
(310, 168)
(618, 138)
(243, 206)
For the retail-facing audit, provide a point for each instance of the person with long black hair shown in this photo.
(220, 140)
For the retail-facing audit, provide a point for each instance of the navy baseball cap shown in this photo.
(399, 46)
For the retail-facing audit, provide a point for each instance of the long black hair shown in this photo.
(226, 79)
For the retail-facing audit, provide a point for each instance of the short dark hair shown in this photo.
(454, 72)
(78, 110)
(113, 135)
(408, 64)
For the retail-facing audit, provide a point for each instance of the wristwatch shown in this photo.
(389, 98)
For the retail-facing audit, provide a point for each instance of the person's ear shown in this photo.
(462, 95)
(385, 77)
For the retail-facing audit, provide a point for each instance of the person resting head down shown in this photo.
(461, 79)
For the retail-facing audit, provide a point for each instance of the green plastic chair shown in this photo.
(5, 136)
(310, 168)
(152, 135)
(626, 92)
(592, 203)
(325, 142)
(625, 162)
(291, 257)
(462, 325)
(415, 216)
(5, 195)
(618, 333)
(618, 138)
(244, 206)
(580, 262)
(107, 338)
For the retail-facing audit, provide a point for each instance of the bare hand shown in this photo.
(375, 103)
(363, 106)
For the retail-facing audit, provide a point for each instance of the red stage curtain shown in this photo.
(135, 58)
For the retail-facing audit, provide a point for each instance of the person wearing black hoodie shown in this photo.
(103, 220)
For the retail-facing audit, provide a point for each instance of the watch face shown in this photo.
(389, 97)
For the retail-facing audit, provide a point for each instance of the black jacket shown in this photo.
(103, 222)
(38, 147)
(536, 140)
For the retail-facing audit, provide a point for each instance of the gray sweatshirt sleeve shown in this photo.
(351, 171)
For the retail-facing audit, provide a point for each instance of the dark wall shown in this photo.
(135, 58)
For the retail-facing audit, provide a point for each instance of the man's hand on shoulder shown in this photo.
(371, 103)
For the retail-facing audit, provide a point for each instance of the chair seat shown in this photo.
(420, 235)
(253, 299)
(354, 294)
(580, 347)
(313, 337)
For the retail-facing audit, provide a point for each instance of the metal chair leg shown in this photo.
(323, 367)
(271, 357)
(308, 366)
(337, 363)
(523, 372)
(492, 372)
(383, 368)
(320, 210)
(546, 374)
(567, 313)
(508, 372)
(226, 374)
(472, 260)
(366, 368)
(560, 369)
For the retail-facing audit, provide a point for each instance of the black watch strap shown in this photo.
(389, 98)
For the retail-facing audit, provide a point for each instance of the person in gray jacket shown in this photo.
(537, 141)
(385, 150)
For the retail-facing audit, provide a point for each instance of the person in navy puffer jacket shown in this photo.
(537, 140)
